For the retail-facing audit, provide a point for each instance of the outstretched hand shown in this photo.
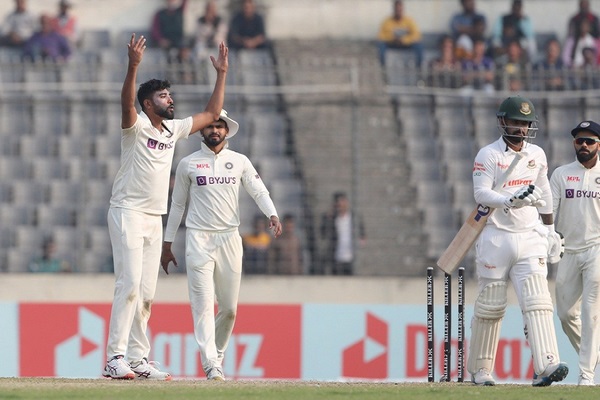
(135, 49)
(222, 62)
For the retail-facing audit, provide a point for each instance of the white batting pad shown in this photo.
(539, 323)
(490, 307)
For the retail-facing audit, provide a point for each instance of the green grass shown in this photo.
(89, 389)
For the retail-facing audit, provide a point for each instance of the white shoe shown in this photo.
(118, 368)
(147, 370)
(585, 381)
(553, 373)
(483, 378)
(215, 374)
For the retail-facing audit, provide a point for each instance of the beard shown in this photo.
(583, 157)
(213, 140)
(166, 113)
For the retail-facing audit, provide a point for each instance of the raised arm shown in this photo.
(215, 103)
(135, 51)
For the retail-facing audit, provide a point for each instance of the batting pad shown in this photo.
(539, 323)
(490, 307)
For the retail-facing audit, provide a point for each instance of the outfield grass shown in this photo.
(88, 389)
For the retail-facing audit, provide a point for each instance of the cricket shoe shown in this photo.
(553, 373)
(584, 380)
(147, 370)
(483, 378)
(118, 368)
(215, 374)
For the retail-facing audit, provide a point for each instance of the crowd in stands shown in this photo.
(510, 57)
(54, 38)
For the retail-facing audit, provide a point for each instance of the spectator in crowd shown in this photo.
(586, 76)
(46, 44)
(585, 14)
(337, 230)
(445, 70)
(400, 31)
(285, 253)
(48, 261)
(66, 24)
(478, 71)
(247, 29)
(211, 29)
(18, 26)
(168, 28)
(464, 22)
(512, 67)
(514, 25)
(574, 45)
(550, 70)
(464, 44)
(256, 247)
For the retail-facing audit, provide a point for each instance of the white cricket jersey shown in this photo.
(576, 196)
(213, 184)
(490, 165)
(142, 182)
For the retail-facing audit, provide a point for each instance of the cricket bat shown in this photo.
(470, 230)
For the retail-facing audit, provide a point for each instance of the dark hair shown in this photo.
(148, 88)
(339, 195)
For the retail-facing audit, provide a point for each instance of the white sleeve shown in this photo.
(555, 189)
(484, 179)
(543, 183)
(178, 201)
(257, 190)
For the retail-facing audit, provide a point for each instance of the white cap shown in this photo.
(231, 124)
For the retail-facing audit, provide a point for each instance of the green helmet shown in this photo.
(517, 108)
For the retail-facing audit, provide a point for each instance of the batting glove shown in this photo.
(527, 196)
(556, 245)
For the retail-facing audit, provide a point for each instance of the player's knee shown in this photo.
(491, 302)
(535, 294)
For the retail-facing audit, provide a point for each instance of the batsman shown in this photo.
(516, 245)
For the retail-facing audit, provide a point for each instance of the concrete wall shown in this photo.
(255, 289)
(357, 19)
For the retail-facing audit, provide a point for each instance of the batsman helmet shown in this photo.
(517, 108)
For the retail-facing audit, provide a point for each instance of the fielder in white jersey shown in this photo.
(139, 198)
(212, 177)
(576, 199)
(514, 245)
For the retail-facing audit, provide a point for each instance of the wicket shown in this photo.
(447, 370)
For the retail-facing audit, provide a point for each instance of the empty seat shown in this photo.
(98, 239)
(50, 114)
(98, 192)
(65, 192)
(106, 146)
(51, 215)
(276, 167)
(15, 168)
(45, 169)
(12, 215)
(74, 146)
(95, 262)
(28, 238)
(94, 39)
(17, 260)
(17, 113)
(40, 145)
(94, 215)
(29, 192)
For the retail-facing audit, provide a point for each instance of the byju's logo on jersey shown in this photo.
(156, 145)
(570, 193)
(215, 180)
